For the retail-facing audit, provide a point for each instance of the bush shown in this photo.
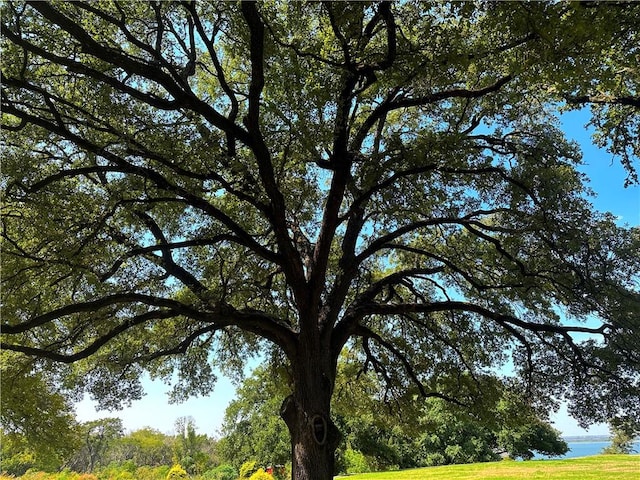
(221, 472)
(247, 469)
(260, 474)
(18, 464)
(435, 459)
(454, 454)
(355, 461)
(177, 473)
(118, 471)
(282, 472)
(35, 475)
(123, 475)
(63, 475)
(147, 472)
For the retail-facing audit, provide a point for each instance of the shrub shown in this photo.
(123, 475)
(177, 473)
(247, 469)
(355, 461)
(146, 472)
(63, 475)
(282, 472)
(221, 472)
(260, 474)
(18, 464)
(435, 459)
(118, 471)
(454, 454)
(35, 475)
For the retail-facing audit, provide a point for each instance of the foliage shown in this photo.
(151, 473)
(624, 434)
(145, 446)
(506, 424)
(118, 471)
(260, 474)
(356, 462)
(282, 472)
(16, 459)
(187, 184)
(189, 447)
(29, 395)
(105, 447)
(538, 436)
(252, 427)
(144, 454)
(248, 468)
(221, 472)
(621, 443)
(63, 475)
(453, 441)
(177, 473)
(98, 439)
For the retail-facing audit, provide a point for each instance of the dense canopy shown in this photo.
(186, 184)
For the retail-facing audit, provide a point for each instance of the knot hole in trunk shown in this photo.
(319, 429)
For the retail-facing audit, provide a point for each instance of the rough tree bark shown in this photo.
(307, 411)
(314, 436)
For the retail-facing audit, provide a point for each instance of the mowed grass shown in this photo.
(600, 467)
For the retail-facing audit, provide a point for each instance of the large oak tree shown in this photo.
(188, 183)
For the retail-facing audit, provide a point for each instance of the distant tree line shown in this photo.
(103, 444)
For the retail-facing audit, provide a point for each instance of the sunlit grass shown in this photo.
(600, 467)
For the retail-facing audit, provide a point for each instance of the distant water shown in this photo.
(587, 449)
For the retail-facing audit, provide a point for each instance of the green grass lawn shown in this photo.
(600, 467)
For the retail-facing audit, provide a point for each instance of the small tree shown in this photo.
(624, 434)
(98, 436)
(145, 446)
(189, 447)
(537, 437)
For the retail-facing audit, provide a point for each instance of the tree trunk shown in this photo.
(314, 436)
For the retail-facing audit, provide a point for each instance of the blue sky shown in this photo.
(606, 174)
(606, 179)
